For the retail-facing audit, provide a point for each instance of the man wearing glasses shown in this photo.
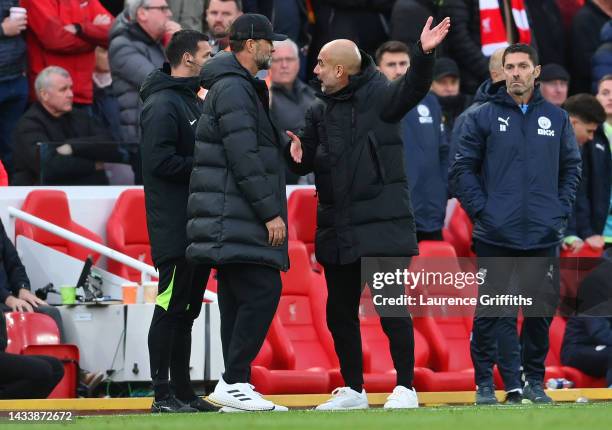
(135, 51)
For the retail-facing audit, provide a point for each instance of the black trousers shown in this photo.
(590, 360)
(179, 301)
(343, 295)
(494, 334)
(28, 376)
(248, 296)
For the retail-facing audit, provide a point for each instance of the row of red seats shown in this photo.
(298, 354)
(30, 333)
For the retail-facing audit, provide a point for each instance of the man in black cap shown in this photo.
(554, 83)
(445, 85)
(237, 205)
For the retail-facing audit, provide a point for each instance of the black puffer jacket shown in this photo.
(238, 180)
(352, 142)
(168, 122)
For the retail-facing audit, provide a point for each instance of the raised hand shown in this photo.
(296, 147)
(432, 37)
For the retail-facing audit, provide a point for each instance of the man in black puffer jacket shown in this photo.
(237, 205)
(352, 142)
(168, 121)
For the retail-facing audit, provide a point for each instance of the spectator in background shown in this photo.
(425, 148)
(477, 33)
(105, 107)
(554, 83)
(584, 40)
(13, 81)
(3, 176)
(80, 160)
(220, 14)
(446, 86)
(263, 7)
(408, 17)
(593, 213)
(15, 289)
(289, 97)
(290, 17)
(587, 116)
(188, 13)
(135, 51)
(485, 92)
(547, 29)
(602, 59)
(65, 34)
(26, 376)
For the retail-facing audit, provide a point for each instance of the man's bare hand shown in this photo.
(64, 149)
(18, 305)
(102, 19)
(12, 27)
(595, 241)
(27, 296)
(296, 147)
(432, 37)
(172, 27)
(70, 28)
(277, 231)
(574, 247)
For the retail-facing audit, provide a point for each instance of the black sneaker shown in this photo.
(485, 395)
(514, 398)
(171, 405)
(534, 393)
(203, 405)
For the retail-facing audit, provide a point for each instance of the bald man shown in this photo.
(485, 91)
(353, 145)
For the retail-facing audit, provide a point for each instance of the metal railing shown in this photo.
(146, 270)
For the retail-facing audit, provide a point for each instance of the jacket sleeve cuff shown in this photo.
(3, 295)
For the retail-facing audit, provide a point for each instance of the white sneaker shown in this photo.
(345, 398)
(402, 398)
(240, 396)
(277, 408)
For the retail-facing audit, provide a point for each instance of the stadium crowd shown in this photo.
(71, 73)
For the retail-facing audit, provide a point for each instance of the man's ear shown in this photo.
(339, 70)
(537, 71)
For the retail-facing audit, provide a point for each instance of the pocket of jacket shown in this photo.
(374, 153)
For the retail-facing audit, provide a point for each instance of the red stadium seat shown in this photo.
(303, 353)
(302, 219)
(126, 232)
(460, 232)
(554, 368)
(52, 206)
(31, 333)
(3, 176)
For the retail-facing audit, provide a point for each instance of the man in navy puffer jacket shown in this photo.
(516, 173)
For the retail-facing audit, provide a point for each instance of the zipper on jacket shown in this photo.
(525, 177)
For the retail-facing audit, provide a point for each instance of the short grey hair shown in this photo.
(42, 80)
(132, 7)
(288, 42)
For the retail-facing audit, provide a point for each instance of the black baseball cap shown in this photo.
(253, 26)
(553, 72)
(445, 67)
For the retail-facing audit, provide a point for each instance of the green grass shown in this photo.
(593, 416)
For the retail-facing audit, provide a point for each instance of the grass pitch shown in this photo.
(592, 416)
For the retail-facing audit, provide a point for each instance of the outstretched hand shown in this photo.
(432, 37)
(296, 147)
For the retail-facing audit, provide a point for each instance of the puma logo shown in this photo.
(505, 121)
(600, 147)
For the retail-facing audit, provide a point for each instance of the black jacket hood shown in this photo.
(161, 79)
